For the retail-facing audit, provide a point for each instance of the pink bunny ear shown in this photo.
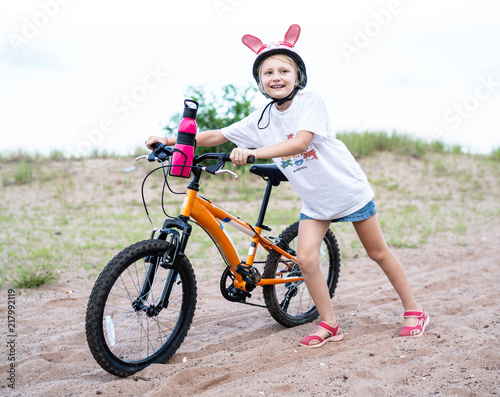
(252, 42)
(292, 35)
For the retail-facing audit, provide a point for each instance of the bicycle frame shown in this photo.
(212, 219)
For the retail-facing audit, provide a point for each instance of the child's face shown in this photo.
(278, 78)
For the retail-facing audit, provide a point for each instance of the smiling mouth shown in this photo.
(277, 86)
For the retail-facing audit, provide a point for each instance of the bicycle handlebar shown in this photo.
(163, 152)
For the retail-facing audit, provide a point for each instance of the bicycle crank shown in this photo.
(250, 275)
(230, 292)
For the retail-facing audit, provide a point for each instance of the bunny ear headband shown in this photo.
(286, 47)
(256, 45)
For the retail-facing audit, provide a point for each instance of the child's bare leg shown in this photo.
(311, 233)
(371, 237)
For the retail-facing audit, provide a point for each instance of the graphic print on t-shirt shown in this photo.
(298, 160)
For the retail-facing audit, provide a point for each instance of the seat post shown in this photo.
(263, 206)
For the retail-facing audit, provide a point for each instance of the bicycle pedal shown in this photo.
(249, 273)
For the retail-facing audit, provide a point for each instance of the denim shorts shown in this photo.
(360, 215)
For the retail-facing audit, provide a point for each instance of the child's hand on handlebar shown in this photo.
(155, 139)
(240, 156)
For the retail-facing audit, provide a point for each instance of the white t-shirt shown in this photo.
(326, 176)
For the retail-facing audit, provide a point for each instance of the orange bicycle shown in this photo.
(143, 302)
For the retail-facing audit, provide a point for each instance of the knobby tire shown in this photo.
(290, 304)
(125, 339)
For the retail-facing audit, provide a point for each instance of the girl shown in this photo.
(294, 131)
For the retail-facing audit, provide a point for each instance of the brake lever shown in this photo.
(151, 157)
(227, 172)
(213, 169)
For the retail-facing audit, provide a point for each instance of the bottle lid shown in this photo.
(190, 108)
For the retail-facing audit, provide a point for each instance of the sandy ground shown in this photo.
(239, 350)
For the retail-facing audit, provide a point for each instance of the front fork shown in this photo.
(171, 259)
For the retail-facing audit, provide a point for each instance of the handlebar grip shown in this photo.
(160, 152)
(250, 159)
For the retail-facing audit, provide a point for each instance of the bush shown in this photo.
(34, 277)
(23, 173)
(216, 110)
(495, 154)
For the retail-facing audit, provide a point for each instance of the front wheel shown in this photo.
(127, 329)
(291, 304)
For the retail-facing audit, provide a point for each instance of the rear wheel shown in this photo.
(126, 329)
(291, 304)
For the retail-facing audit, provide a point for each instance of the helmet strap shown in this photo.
(279, 102)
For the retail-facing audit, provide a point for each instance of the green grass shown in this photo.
(370, 142)
(35, 276)
(360, 144)
(21, 174)
(495, 154)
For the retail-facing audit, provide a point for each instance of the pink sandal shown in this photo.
(422, 321)
(333, 331)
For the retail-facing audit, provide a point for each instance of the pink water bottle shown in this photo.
(182, 160)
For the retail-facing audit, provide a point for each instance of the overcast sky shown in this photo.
(76, 75)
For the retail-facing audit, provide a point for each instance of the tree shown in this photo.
(216, 111)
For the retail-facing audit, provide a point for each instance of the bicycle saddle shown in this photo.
(270, 171)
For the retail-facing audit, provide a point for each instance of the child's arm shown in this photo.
(210, 138)
(296, 145)
(205, 138)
